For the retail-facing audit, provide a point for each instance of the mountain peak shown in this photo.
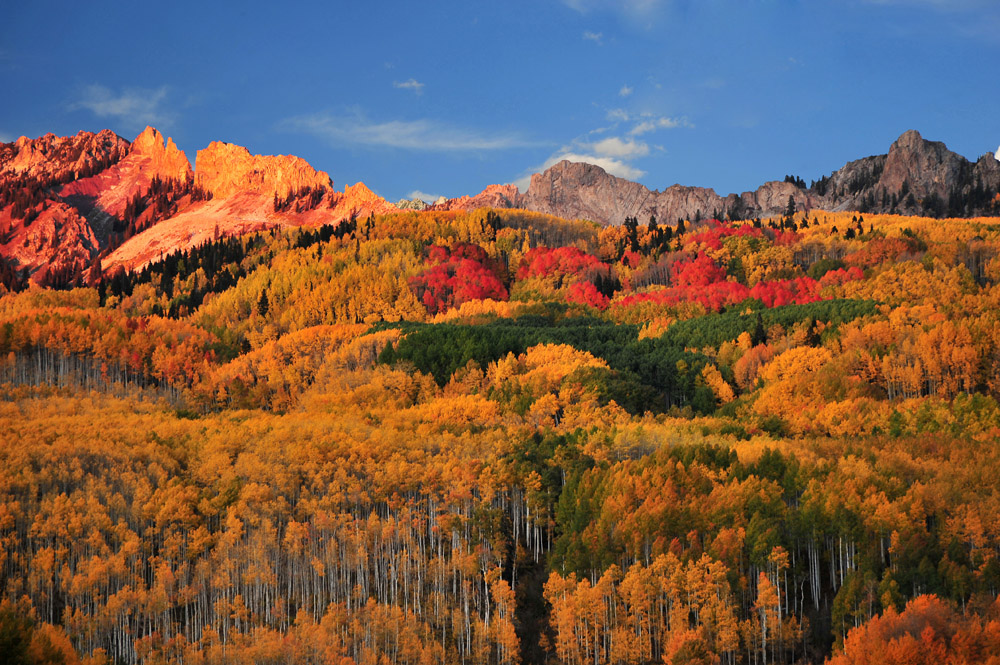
(149, 139)
(166, 159)
(925, 166)
(909, 138)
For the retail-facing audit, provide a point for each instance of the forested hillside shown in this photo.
(502, 437)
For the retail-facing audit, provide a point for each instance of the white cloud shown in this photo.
(596, 37)
(410, 84)
(625, 91)
(997, 154)
(134, 107)
(423, 196)
(407, 134)
(615, 147)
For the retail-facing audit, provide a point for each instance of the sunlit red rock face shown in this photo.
(57, 240)
(61, 158)
(494, 196)
(358, 201)
(225, 169)
(245, 189)
(111, 189)
(242, 212)
(82, 194)
(38, 231)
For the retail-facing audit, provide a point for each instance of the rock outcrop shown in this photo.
(576, 190)
(106, 194)
(927, 165)
(56, 240)
(357, 201)
(162, 158)
(494, 196)
(243, 212)
(52, 158)
(225, 169)
(916, 176)
(411, 204)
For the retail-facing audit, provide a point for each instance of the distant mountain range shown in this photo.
(73, 207)
(915, 177)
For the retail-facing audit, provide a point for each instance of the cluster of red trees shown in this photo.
(457, 274)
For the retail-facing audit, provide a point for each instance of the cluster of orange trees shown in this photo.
(619, 445)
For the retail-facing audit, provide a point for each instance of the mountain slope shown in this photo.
(98, 194)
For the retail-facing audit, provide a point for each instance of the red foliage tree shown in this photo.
(461, 273)
(798, 291)
(585, 293)
(841, 276)
(700, 271)
(560, 262)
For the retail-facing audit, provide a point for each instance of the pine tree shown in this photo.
(262, 304)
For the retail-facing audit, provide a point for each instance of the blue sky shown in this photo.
(444, 98)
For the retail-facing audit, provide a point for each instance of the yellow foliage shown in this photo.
(713, 379)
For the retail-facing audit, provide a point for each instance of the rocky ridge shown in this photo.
(916, 176)
(52, 158)
(68, 200)
(494, 196)
(106, 194)
(225, 169)
(411, 204)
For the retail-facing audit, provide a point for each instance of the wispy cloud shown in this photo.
(625, 91)
(133, 107)
(636, 8)
(5, 137)
(431, 135)
(618, 115)
(596, 37)
(410, 84)
(653, 124)
(643, 123)
(423, 196)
